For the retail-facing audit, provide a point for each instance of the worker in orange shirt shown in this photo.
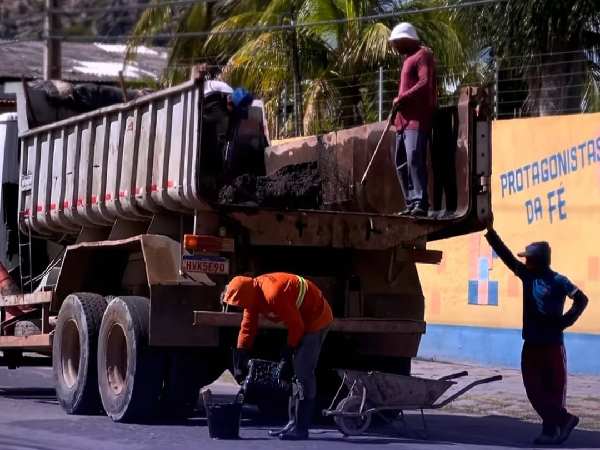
(300, 305)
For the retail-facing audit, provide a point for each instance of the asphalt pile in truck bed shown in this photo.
(297, 186)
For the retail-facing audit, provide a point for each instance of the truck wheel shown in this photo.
(129, 370)
(187, 370)
(74, 353)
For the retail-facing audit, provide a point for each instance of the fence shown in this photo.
(531, 86)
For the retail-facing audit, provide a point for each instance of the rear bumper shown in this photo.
(362, 325)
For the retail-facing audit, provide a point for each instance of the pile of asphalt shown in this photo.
(297, 186)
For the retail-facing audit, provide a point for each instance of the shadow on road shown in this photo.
(444, 429)
(30, 393)
(496, 431)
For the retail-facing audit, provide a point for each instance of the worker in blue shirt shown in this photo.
(543, 359)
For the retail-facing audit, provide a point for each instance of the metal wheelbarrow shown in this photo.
(387, 394)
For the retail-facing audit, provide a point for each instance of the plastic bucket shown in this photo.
(224, 420)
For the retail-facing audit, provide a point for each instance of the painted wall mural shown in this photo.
(545, 186)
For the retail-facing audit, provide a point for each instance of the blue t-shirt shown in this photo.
(544, 297)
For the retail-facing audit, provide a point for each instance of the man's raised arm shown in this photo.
(503, 252)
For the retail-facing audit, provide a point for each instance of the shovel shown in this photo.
(388, 125)
(359, 190)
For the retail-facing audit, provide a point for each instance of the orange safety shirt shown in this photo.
(280, 297)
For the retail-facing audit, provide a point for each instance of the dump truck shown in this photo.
(128, 312)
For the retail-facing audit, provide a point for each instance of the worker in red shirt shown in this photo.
(300, 305)
(416, 104)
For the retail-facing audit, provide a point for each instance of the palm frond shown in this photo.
(227, 44)
(152, 21)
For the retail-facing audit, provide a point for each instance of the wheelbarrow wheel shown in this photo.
(352, 426)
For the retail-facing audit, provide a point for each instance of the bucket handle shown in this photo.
(239, 394)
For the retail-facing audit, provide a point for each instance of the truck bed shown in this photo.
(134, 160)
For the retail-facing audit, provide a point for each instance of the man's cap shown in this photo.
(540, 250)
(404, 30)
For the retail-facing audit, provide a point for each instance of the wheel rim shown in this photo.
(116, 359)
(70, 355)
(352, 426)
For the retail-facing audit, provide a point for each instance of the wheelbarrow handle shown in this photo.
(454, 376)
(465, 389)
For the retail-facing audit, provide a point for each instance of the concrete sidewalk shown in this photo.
(507, 397)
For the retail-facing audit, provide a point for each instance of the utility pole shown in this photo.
(298, 110)
(52, 53)
(380, 93)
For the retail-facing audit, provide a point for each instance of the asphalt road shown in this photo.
(30, 419)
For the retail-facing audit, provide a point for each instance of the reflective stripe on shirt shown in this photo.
(302, 293)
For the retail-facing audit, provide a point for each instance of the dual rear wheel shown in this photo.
(102, 362)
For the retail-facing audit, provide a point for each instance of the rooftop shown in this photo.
(81, 62)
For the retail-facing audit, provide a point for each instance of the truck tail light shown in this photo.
(208, 243)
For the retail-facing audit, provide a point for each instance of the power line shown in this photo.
(288, 27)
(133, 7)
(37, 15)
(18, 20)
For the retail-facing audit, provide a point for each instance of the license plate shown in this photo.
(206, 264)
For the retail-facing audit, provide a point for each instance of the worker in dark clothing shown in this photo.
(416, 104)
(237, 153)
(543, 359)
(444, 140)
(300, 305)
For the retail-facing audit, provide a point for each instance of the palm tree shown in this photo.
(541, 46)
(338, 61)
(184, 50)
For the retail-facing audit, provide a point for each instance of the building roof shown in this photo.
(80, 62)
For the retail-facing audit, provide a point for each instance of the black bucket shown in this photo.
(224, 419)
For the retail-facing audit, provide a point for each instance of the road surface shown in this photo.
(30, 419)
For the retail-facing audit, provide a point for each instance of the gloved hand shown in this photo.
(286, 368)
(240, 364)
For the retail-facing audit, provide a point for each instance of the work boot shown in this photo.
(290, 424)
(566, 429)
(418, 212)
(406, 212)
(548, 436)
(299, 431)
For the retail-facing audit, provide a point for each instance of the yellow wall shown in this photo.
(559, 202)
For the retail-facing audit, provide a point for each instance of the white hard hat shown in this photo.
(404, 31)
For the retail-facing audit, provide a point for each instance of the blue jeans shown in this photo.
(411, 165)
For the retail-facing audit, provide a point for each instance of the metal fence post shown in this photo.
(496, 84)
(380, 93)
(284, 109)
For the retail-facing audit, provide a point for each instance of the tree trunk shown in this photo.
(558, 89)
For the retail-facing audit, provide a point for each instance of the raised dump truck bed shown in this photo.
(134, 160)
(129, 194)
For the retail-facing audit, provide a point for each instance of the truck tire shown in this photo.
(74, 353)
(129, 370)
(187, 370)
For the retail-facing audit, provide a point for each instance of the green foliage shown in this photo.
(540, 41)
(339, 62)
